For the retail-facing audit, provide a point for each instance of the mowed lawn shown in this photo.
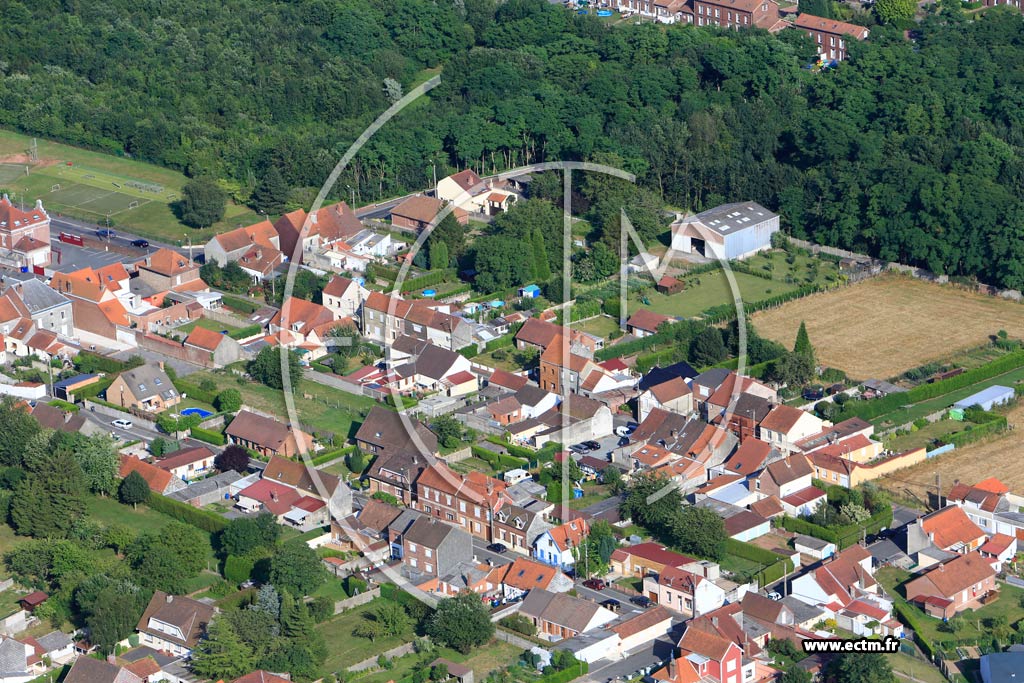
(887, 325)
(324, 408)
(714, 290)
(345, 649)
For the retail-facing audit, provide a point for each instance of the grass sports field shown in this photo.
(885, 326)
(93, 186)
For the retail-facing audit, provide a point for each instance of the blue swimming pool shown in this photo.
(429, 292)
(197, 411)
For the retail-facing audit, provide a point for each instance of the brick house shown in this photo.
(435, 549)
(234, 244)
(830, 35)
(469, 500)
(146, 387)
(24, 235)
(416, 213)
(736, 14)
(399, 455)
(962, 583)
(165, 269)
(328, 225)
(266, 435)
(188, 463)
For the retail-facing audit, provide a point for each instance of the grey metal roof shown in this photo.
(729, 218)
(39, 297)
(811, 542)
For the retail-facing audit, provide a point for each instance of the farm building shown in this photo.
(730, 231)
(987, 398)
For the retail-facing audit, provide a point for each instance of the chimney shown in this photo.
(170, 599)
(312, 218)
(39, 204)
(111, 659)
(273, 495)
(942, 567)
(161, 364)
(672, 668)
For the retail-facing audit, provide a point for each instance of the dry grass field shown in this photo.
(887, 325)
(999, 457)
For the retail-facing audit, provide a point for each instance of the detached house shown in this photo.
(684, 591)
(644, 323)
(558, 616)
(266, 435)
(174, 624)
(523, 576)
(188, 463)
(304, 325)
(218, 349)
(555, 546)
(962, 583)
(235, 244)
(89, 670)
(146, 388)
(418, 212)
(948, 530)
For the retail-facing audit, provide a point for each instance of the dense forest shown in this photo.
(911, 150)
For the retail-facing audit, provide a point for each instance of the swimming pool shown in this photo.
(197, 411)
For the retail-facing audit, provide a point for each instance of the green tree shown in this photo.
(271, 195)
(296, 568)
(795, 674)
(222, 655)
(228, 401)
(707, 348)
(243, 535)
(541, 267)
(818, 8)
(234, 457)
(894, 11)
(50, 499)
(392, 618)
(97, 456)
(461, 623)
(438, 255)
(861, 667)
(500, 264)
(802, 345)
(699, 531)
(166, 559)
(111, 609)
(159, 446)
(793, 369)
(612, 476)
(202, 203)
(18, 428)
(448, 430)
(265, 368)
(133, 490)
(651, 501)
(356, 462)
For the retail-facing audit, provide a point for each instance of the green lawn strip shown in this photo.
(332, 588)
(918, 410)
(919, 669)
(601, 326)
(923, 436)
(344, 649)
(713, 290)
(207, 324)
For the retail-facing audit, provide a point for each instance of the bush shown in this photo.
(238, 569)
(321, 609)
(197, 392)
(498, 460)
(519, 624)
(183, 512)
(354, 586)
(241, 305)
(228, 401)
(208, 435)
(247, 331)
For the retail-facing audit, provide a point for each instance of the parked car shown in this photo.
(595, 584)
(141, 244)
(592, 445)
(814, 393)
(121, 423)
(641, 601)
(625, 430)
(612, 604)
(106, 234)
(774, 596)
(497, 548)
(579, 448)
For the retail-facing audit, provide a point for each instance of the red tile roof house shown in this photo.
(962, 583)
(25, 235)
(683, 591)
(188, 463)
(650, 558)
(829, 35)
(644, 323)
(159, 481)
(469, 500)
(166, 270)
(305, 325)
(89, 670)
(948, 529)
(555, 546)
(261, 676)
(234, 244)
(999, 549)
(328, 225)
(344, 296)
(267, 436)
(218, 349)
(784, 426)
(673, 395)
(789, 479)
(523, 575)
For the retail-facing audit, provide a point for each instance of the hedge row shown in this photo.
(498, 460)
(434, 277)
(247, 331)
(328, 456)
(907, 616)
(193, 391)
(976, 432)
(108, 404)
(93, 362)
(635, 346)
(727, 312)
(751, 552)
(64, 405)
(183, 512)
(243, 305)
(566, 675)
(208, 435)
(845, 536)
(740, 267)
(870, 409)
(94, 389)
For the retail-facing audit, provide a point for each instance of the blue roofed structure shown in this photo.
(987, 398)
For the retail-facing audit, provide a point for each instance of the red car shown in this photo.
(595, 584)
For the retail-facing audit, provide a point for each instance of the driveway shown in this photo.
(152, 358)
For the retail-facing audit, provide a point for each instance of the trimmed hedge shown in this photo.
(498, 460)
(97, 363)
(93, 390)
(64, 405)
(727, 312)
(870, 409)
(977, 432)
(183, 512)
(906, 614)
(208, 435)
(193, 391)
(243, 305)
(844, 536)
(434, 277)
(749, 551)
(243, 332)
(330, 455)
(108, 404)
(566, 675)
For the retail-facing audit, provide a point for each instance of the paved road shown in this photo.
(88, 230)
(141, 430)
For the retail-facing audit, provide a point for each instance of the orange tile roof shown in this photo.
(992, 485)
(157, 478)
(204, 338)
(115, 312)
(168, 262)
(811, 22)
(951, 526)
(527, 574)
(782, 418)
(570, 534)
